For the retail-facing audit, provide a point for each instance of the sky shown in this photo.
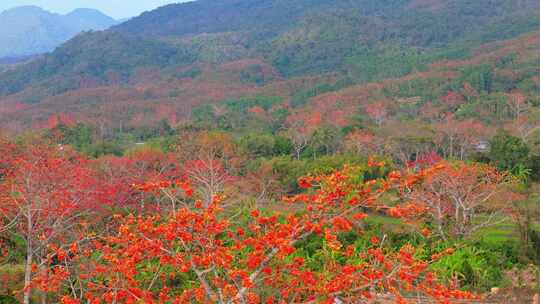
(114, 8)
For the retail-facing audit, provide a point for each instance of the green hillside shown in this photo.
(366, 40)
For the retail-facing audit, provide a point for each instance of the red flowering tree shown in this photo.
(197, 254)
(364, 143)
(377, 111)
(424, 160)
(117, 175)
(45, 193)
(462, 198)
(209, 160)
(452, 100)
(300, 128)
(59, 119)
(457, 138)
(209, 176)
(517, 102)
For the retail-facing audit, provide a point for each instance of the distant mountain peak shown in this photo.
(24, 10)
(86, 12)
(29, 9)
(29, 30)
(89, 18)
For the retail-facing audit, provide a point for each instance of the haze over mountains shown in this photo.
(30, 30)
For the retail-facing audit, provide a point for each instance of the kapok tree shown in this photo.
(198, 255)
(299, 129)
(209, 160)
(458, 138)
(45, 192)
(209, 175)
(117, 175)
(526, 126)
(364, 143)
(517, 102)
(378, 112)
(461, 198)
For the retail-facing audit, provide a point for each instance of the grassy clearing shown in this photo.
(377, 219)
(502, 232)
(505, 231)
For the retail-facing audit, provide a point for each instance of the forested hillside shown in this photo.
(367, 40)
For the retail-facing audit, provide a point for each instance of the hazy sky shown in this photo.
(113, 8)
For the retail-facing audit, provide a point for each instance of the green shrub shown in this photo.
(11, 281)
(8, 300)
(474, 268)
(507, 151)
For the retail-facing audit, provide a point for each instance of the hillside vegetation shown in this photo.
(296, 37)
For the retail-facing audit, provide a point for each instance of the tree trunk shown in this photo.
(44, 295)
(451, 147)
(297, 152)
(28, 273)
(29, 259)
(439, 223)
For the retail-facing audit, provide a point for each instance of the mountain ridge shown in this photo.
(365, 40)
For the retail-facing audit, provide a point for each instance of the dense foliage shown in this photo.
(177, 244)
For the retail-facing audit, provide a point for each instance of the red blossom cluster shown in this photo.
(198, 254)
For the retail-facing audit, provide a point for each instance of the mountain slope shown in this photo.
(412, 18)
(366, 40)
(218, 94)
(29, 30)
